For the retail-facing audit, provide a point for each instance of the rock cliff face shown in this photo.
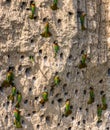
(20, 38)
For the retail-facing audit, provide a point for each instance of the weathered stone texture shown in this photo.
(20, 37)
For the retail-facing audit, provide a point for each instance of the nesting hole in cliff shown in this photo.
(33, 78)
(28, 114)
(101, 92)
(70, 57)
(57, 95)
(36, 98)
(23, 4)
(58, 124)
(76, 91)
(6, 117)
(66, 93)
(33, 112)
(28, 71)
(59, 21)
(31, 2)
(84, 92)
(40, 52)
(8, 1)
(30, 89)
(60, 100)
(45, 19)
(8, 103)
(52, 102)
(109, 72)
(8, 56)
(48, 119)
(84, 121)
(70, 13)
(11, 68)
(71, 107)
(69, 128)
(41, 117)
(80, 108)
(32, 40)
(51, 91)
(72, 118)
(68, 75)
(101, 81)
(22, 57)
(45, 58)
(64, 86)
(78, 122)
(77, 72)
(23, 121)
(25, 101)
(38, 126)
(61, 55)
(20, 68)
(82, 52)
(87, 110)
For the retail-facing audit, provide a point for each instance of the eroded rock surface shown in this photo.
(20, 38)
